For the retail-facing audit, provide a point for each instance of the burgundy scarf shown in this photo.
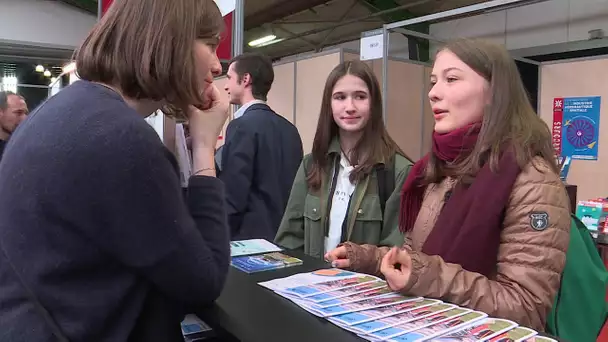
(467, 231)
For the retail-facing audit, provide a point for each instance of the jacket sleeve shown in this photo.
(238, 158)
(291, 231)
(530, 260)
(390, 235)
(367, 258)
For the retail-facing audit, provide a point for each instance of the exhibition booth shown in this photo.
(298, 87)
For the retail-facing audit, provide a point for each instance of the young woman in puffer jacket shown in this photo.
(485, 215)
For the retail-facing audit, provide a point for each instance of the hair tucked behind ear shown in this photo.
(509, 120)
(146, 48)
(375, 144)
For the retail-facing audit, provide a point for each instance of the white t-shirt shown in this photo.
(339, 205)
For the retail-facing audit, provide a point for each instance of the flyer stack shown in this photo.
(366, 306)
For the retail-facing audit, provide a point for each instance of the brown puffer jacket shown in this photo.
(530, 260)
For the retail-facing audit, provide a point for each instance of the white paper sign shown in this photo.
(372, 47)
(226, 6)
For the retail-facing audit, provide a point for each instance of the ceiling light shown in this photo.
(47, 73)
(39, 68)
(270, 42)
(9, 83)
(263, 41)
(53, 79)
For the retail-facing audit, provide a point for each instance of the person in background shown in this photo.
(485, 215)
(97, 240)
(261, 154)
(13, 110)
(348, 188)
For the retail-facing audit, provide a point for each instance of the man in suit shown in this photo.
(13, 110)
(262, 153)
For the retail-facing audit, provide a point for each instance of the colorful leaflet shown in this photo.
(365, 305)
(404, 328)
(373, 314)
(362, 305)
(401, 318)
(281, 284)
(254, 246)
(327, 286)
(518, 334)
(379, 292)
(480, 331)
(540, 339)
(349, 291)
(427, 333)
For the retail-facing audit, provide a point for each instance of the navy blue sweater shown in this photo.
(94, 226)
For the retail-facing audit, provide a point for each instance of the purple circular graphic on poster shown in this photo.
(580, 132)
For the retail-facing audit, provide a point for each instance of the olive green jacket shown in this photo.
(305, 218)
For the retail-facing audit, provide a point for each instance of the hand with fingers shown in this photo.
(207, 121)
(397, 268)
(338, 257)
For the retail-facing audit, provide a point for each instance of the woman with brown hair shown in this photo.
(485, 215)
(347, 189)
(97, 240)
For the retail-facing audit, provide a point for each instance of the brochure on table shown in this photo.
(365, 305)
(264, 262)
(250, 247)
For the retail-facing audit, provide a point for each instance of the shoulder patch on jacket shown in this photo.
(539, 220)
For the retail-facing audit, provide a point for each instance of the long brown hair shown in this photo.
(509, 120)
(146, 48)
(375, 144)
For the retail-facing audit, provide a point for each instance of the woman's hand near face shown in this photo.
(397, 268)
(206, 123)
(205, 127)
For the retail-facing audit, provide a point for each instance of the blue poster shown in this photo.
(581, 127)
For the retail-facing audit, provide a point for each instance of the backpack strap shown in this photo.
(386, 183)
(386, 180)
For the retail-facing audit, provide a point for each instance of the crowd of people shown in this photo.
(98, 241)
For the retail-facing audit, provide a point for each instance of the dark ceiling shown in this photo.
(311, 25)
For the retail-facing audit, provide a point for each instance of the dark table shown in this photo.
(248, 312)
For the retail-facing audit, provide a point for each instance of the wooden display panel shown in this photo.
(281, 96)
(428, 123)
(311, 75)
(349, 56)
(405, 92)
(572, 79)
